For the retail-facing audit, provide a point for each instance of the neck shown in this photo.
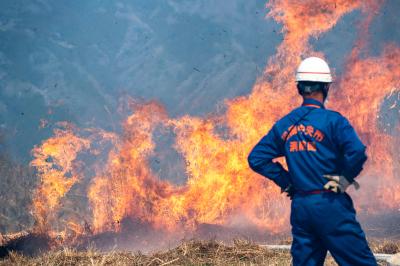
(319, 97)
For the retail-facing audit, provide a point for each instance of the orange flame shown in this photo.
(368, 82)
(221, 189)
(54, 161)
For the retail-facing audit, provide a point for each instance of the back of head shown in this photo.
(313, 75)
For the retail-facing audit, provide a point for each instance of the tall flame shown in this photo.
(368, 82)
(221, 189)
(55, 161)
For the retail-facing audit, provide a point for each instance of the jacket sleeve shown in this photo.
(353, 150)
(260, 159)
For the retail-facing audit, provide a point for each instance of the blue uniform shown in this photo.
(315, 142)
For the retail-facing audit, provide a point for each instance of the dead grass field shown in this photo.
(188, 253)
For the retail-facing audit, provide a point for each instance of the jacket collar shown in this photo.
(313, 103)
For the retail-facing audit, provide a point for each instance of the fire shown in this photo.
(57, 169)
(221, 189)
(302, 20)
(368, 83)
(126, 186)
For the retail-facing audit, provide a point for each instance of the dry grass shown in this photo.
(188, 253)
(385, 246)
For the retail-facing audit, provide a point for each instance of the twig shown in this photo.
(169, 262)
(155, 259)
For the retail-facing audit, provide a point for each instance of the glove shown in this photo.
(338, 183)
(290, 191)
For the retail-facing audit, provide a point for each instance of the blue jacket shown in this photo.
(315, 142)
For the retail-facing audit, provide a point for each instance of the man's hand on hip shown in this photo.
(338, 183)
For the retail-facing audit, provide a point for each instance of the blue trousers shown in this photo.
(323, 222)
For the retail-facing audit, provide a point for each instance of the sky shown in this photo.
(76, 60)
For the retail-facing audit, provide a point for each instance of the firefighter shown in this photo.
(323, 155)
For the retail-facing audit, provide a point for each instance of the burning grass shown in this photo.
(192, 252)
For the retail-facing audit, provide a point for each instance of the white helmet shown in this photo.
(314, 69)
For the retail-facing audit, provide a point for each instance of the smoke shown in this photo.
(73, 62)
